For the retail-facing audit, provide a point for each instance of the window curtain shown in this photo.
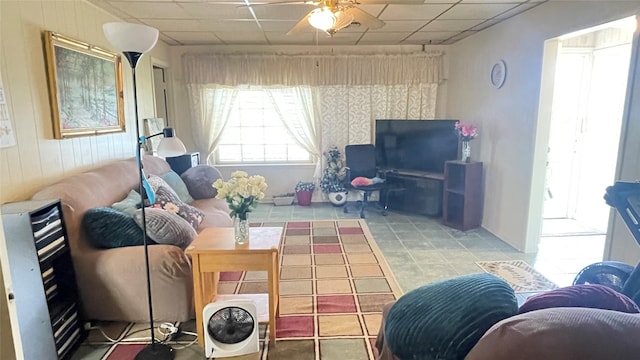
(210, 109)
(349, 112)
(296, 107)
(351, 91)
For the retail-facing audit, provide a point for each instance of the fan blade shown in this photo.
(300, 25)
(364, 18)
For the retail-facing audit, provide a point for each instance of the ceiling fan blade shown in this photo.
(364, 18)
(300, 25)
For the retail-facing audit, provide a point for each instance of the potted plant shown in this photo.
(332, 182)
(304, 190)
(283, 199)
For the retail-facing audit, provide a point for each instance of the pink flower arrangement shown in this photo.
(466, 132)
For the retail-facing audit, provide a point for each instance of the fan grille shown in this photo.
(230, 325)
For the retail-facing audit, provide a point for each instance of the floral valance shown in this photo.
(313, 70)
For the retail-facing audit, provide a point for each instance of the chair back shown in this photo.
(361, 160)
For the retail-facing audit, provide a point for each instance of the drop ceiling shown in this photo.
(266, 22)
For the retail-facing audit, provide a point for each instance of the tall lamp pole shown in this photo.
(134, 40)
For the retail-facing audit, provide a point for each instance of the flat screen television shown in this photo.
(416, 145)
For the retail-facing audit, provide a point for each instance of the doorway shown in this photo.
(160, 92)
(586, 119)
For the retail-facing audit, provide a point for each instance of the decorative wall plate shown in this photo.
(498, 74)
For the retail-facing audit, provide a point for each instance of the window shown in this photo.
(255, 132)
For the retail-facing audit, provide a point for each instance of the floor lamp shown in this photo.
(133, 40)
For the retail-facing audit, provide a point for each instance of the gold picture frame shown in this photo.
(85, 87)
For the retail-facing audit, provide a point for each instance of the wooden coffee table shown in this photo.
(214, 250)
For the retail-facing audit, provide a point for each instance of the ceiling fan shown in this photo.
(332, 15)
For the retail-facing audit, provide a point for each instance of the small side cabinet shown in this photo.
(462, 196)
(39, 281)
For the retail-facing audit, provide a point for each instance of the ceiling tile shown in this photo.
(517, 10)
(459, 36)
(216, 11)
(475, 11)
(161, 10)
(450, 25)
(399, 25)
(176, 25)
(232, 22)
(383, 38)
(282, 26)
(413, 12)
(494, 1)
(282, 12)
(424, 37)
(193, 37)
(283, 38)
(234, 37)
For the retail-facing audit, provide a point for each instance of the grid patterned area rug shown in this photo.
(333, 284)
(520, 275)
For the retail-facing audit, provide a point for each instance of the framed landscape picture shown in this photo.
(85, 87)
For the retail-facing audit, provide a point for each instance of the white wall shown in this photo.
(38, 159)
(507, 117)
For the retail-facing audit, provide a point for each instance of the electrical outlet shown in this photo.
(175, 335)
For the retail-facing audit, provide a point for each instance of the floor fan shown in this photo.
(230, 328)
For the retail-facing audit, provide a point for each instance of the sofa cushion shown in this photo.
(130, 204)
(199, 180)
(584, 295)
(110, 228)
(168, 200)
(444, 320)
(175, 182)
(165, 227)
(562, 333)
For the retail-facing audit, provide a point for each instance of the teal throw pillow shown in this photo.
(128, 205)
(444, 320)
(177, 184)
(110, 228)
(165, 227)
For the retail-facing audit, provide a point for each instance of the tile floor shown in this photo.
(421, 250)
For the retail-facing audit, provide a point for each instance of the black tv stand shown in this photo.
(412, 191)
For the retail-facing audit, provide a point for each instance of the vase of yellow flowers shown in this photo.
(242, 193)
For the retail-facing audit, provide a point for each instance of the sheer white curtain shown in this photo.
(297, 109)
(210, 109)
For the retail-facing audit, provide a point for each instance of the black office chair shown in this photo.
(361, 162)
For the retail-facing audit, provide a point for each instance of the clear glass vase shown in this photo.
(241, 230)
(466, 151)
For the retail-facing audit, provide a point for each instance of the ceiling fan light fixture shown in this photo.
(343, 19)
(322, 19)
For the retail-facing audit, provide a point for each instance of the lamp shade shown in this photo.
(322, 19)
(128, 37)
(171, 146)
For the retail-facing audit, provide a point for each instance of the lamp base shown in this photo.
(156, 351)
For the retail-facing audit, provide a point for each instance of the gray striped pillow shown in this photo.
(165, 227)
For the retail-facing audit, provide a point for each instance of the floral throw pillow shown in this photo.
(167, 199)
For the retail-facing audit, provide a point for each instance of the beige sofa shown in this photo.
(112, 282)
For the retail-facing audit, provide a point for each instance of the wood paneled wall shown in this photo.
(38, 159)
